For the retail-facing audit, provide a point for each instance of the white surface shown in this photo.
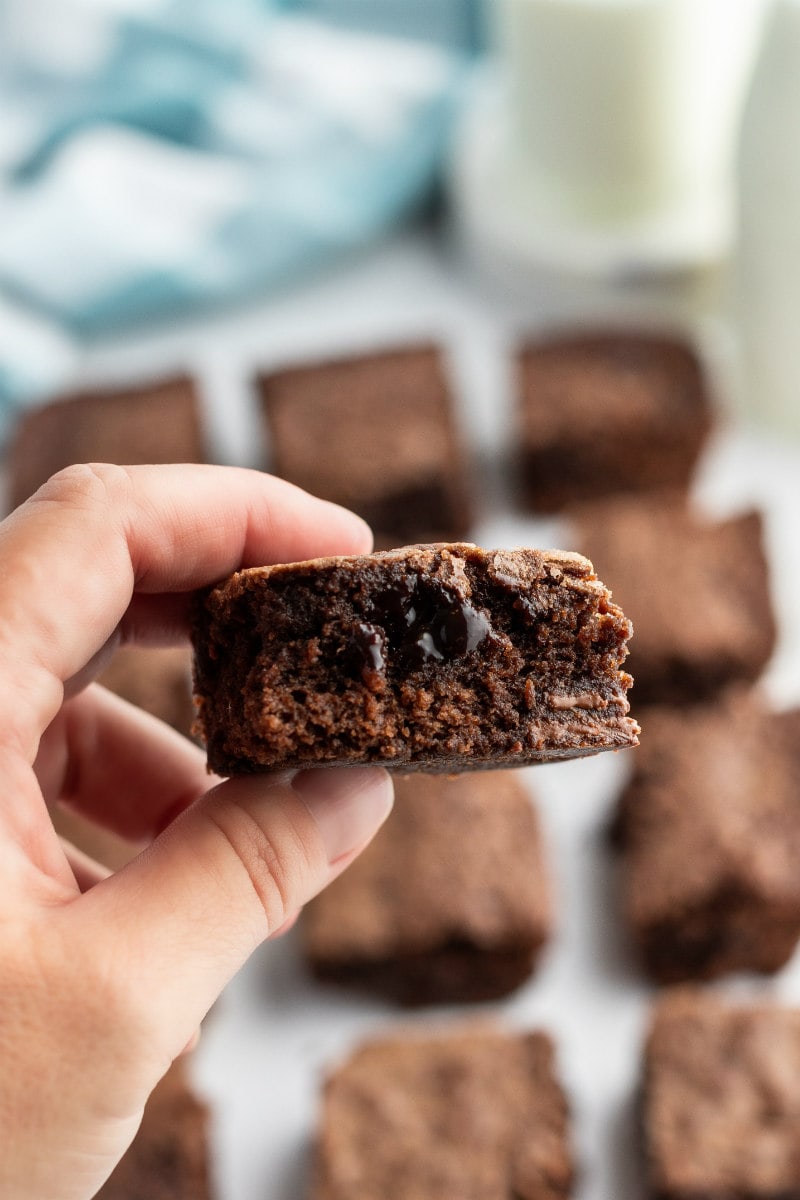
(274, 1033)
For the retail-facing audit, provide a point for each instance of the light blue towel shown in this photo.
(160, 154)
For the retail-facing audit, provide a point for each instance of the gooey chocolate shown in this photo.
(419, 622)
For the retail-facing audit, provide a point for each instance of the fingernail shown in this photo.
(349, 804)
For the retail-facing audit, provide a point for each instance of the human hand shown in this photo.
(105, 979)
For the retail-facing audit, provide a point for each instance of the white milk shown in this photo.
(768, 273)
(619, 107)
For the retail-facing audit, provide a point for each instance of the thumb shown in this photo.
(226, 874)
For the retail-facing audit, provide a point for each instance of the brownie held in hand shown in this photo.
(710, 833)
(697, 591)
(606, 413)
(721, 1101)
(376, 433)
(475, 1113)
(153, 423)
(430, 657)
(450, 902)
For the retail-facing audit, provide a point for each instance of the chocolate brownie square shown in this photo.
(475, 1113)
(376, 433)
(450, 902)
(608, 412)
(169, 1157)
(709, 827)
(696, 590)
(158, 680)
(431, 657)
(721, 1101)
(152, 423)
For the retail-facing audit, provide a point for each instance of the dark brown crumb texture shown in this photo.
(376, 433)
(154, 423)
(169, 1157)
(450, 902)
(710, 833)
(475, 1114)
(431, 657)
(696, 590)
(721, 1101)
(608, 412)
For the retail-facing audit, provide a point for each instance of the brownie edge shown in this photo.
(441, 657)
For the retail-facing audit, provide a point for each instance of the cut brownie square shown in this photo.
(450, 902)
(158, 680)
(153, 423)
(696, 590)
(477, 1113)
(430, 657)
(376, 433)
(602, 413)
(169, 1157)
(710, 833)
(721, 1101)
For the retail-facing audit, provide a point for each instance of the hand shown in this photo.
(105, 979)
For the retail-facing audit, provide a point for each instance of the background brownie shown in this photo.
(608, 412)
(169, 1157)
(476, 1113)
(431, 657)
(377, 434)
(710, 833)
(158, 680)
(722, 1101)
(449, 902)
(696, 590)
(152, 423)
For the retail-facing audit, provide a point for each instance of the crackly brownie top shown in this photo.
(714, 803)
(722, 1099)
(695, 589)
(458, 859)
(609, 384)
(355, 426)
(475, 1113)
(155, 423)
(446, 561)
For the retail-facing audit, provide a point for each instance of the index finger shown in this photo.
(75, 553)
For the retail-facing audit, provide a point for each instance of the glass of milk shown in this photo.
(618, 108)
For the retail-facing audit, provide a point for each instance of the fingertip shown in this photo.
(348, 804)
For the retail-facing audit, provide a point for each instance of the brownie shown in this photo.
(469, 1114)
(159, 680)
(696, 590)
(608, 412)
(450, 902)
(429, 657)
(169, 1157)
(376, 433)
(709, 828)
(721, 1101)
(153, 423)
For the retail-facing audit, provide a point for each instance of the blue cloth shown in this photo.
(161, 154)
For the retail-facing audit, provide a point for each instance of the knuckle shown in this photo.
(272, 864)
(86, 485)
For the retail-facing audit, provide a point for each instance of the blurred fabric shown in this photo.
(160, 154)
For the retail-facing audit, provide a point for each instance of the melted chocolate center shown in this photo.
(425, 622)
